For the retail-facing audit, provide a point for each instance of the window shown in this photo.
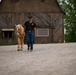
(42, 1)
(7, 33)
(43, 32)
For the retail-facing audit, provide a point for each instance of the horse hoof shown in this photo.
(18, 50)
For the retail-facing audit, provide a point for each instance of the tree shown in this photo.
(69, 7)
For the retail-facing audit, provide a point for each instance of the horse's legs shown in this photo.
(22, 42)
(18, 44)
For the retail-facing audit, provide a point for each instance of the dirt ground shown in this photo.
(46, 59)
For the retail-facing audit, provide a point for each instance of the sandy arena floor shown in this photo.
(46, 59)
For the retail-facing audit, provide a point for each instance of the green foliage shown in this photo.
(69, 7)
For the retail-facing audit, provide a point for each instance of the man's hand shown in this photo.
(35, 35)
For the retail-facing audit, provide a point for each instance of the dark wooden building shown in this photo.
(47, 15)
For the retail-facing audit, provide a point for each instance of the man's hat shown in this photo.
(30, 17)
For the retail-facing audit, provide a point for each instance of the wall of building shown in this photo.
(45, 14)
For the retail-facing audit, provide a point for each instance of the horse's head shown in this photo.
(18, 29)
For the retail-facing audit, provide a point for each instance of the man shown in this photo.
(30, 30)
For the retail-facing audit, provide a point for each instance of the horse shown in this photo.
(20, 36)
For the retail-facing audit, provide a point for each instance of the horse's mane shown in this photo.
(22, 30)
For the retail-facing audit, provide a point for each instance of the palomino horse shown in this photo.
(20, 36)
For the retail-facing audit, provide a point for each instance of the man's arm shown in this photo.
(35, 31)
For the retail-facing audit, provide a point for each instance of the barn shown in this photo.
(47, 15)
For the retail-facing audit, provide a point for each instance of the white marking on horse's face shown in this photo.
(18, 27)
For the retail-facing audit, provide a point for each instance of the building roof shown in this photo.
(30, 6)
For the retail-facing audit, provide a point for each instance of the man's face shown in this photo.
(30, 19)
